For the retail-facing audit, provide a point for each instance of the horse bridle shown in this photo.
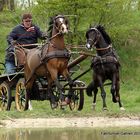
(54, 22)
(60, 23)
(97, 38)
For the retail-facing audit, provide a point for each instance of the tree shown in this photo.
(12, 5)
(1, 5)
(8, 4)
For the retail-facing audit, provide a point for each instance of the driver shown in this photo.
(24, 33)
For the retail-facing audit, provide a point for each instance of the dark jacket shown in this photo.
(22, 36)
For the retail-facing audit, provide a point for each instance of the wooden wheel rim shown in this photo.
(20, 95)
(4, 89)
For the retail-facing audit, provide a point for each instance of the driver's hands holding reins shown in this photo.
(14, 42)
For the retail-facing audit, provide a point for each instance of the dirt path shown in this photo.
(70, 122)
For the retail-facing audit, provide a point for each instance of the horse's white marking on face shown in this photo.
(63, 25)
(88, 45)
(61, 20)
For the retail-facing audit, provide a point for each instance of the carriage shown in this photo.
(12, 87)
(47, 73)
(46, 77)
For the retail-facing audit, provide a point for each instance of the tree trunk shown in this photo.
(1, 5)
(139, 5)
(29, 3)
(12, 5)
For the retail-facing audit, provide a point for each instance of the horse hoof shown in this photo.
(30, 108)
(122, 108)
(114, 100)
(54, 105)
(93, 106)
(105, 109)
(67, 100)
(63, 103)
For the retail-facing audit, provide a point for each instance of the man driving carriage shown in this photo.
(24, 33)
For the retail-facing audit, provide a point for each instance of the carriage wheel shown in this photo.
(77, 100)
(20, 94)
(5, 96)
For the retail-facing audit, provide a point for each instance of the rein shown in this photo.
(54, 36)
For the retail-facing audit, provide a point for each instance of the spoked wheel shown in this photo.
(5, 96)
(20, 94)
(77, 99)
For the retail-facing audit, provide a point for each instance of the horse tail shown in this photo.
(90, 89)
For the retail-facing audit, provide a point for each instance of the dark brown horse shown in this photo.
(50, 61)
(105, 65)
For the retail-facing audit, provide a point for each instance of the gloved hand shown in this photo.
(31, 29)
(13, 42)
(44, 35)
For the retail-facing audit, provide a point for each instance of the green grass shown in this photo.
(42, 109)
(126, 42)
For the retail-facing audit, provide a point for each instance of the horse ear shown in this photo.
(67, 22)
(90, 26)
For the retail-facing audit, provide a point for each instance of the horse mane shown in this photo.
(104, 34)
(50, 28)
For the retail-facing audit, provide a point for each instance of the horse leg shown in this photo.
(95, 90)
(118, 95)
(27, 73)
(28, 94)
(71, 83)
(50, 93)
(54, 75)
(113, 88)
(92, 87)
(103, 93)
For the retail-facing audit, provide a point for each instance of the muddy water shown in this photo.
(71, 134)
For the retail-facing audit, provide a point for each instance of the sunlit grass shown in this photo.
(129, 54)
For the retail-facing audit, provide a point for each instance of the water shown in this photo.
(71, 134)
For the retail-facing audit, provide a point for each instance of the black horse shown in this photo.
(105, 65)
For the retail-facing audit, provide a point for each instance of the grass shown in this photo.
(130, 99)
(129, 53)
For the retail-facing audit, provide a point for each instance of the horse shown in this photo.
(50, 61)
(105, 65)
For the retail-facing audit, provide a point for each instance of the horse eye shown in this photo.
(86, 35)
(56, 24)
(66, 21)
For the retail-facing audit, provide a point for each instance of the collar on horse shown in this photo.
(58, 53)
(102, 49)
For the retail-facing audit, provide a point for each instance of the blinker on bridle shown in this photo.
(54, 22)
(97, 38)
(58, 27)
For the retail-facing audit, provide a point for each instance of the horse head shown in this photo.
(92, 36)
(60, 25)
(96, 36)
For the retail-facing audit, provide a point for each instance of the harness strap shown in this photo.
(102, 60)
(56, 54)
(101, 49)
